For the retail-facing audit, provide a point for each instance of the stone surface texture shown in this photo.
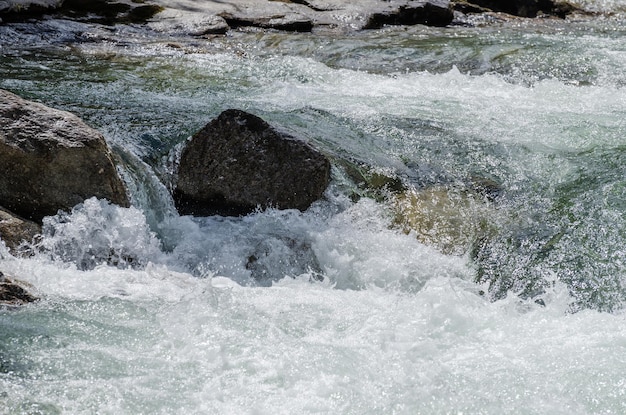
(238, 162)
(51, 160)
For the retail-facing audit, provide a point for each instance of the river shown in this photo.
(343, 311)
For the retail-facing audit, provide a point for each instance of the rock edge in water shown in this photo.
(15, 230)
(50, 160)
(238, 162)
(13, 293)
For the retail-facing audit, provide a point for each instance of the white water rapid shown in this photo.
(142, 311)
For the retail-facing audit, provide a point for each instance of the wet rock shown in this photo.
(307, 15)
(50, 160)
(522, 8)
(431, 13)
(238, 162)
(15, 230)
(95, 11)
(292, 22)
(28, 7)
(13, 293)
(109, 11)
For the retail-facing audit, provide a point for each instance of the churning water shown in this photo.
(508, 298)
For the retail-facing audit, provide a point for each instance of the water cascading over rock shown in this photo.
(238, 162)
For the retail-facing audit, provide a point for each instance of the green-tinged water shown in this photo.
(488, 278)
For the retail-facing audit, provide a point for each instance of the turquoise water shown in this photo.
(517, 309)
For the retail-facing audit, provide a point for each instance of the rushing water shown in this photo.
(342, 311)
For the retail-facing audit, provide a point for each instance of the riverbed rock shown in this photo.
(430, 13)
(95, 11)
(238, 162)
(449, 219)
(29, 6)
(15, 230)
(50, 160)
(13, 293)
(305, 15)
(522, 8)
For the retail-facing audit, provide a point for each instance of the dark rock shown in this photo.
(287, 22)
(527, 8)
(22, 10)
(109, 11)
(51, 160)
(15, 230)
(13, 293)
(467, 7)
(238, 162)
(95, 11)
(431, 13)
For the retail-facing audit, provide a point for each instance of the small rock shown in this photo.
(13, 293)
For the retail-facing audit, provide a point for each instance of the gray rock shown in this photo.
(51, 160)
(15, 230)
(238, 162)
(13, 293)
(288, 22)
(307, 15)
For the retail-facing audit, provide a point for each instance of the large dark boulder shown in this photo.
(51, 160)
(238, 162)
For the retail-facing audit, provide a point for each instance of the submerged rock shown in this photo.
(50, 160)
(13, 293)
(238, 162)
(448, 219)
(15, 230)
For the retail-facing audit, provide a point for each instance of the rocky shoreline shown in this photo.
(208, 18)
